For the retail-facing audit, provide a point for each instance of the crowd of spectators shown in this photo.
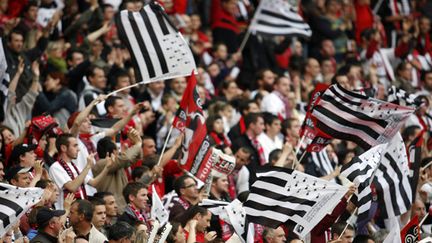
(64, 56)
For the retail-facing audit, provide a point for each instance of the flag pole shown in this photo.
(423, 219)
(165, 144)
(124, 88)
(296, 163)
(244, 41)
(346, 226)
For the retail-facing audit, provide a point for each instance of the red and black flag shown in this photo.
(411, 231)
(190, 120)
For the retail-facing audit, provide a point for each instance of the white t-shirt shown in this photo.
(61, 177)
(269, 145)
(273, 104)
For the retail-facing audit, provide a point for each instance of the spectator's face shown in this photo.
(278, 236)
(3, 5)
(77, 58)
(232, 91)
(32, 13)
(56, 225)
(294, 130)
(99, 216)
(196, 22)
(253, 108)
(218, 126)
(284, 86)
(313, 68)
(109, 13)
(424, 25)
(171, 105)
(140, 200)
(2, 173)
(72, 148)
(406, 72)
(348, 236)
(242, 158)
(258, 127)
(418, 209)
(327, 48)
(16, 42)
(190, 189)
(427, 82)
(118, 110)
(178, 85)
(122, 82)
(55, 195)
(267, 80)
(28, 159)
(221, 185)
(98, 79)
(22, 180)
(333, 7)
(85, 126)
(149, 147)
(221, 52)
(203, 222)
(327, 67)
(230, 6)
(51, 84)
(344, 82)
(274, 128)
(213, 70)
(157, 87)
(111, 206)
(74, 216)
(8, 136)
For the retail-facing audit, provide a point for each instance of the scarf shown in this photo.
(81, 192)
(88, 143)
(184, 204)
(220, 139)
(287, 113)
(259, 148)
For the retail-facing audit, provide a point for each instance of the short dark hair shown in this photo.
(15, 31)
(338, 228)
(91, 70)
(132, 188)
(138, 171)
(104, 146)
(102, 195)
(274, 155)
(150, 161)
(192, 211)
(63, 139)
(120, 230)
(269, 118)
(85, 207)
(71, 51)
(97, 201)
(180, 183)
(409, 131)
(43, 183)
(251, 118)
(111, 101)
(362, 239)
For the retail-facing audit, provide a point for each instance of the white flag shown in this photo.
(157, 210)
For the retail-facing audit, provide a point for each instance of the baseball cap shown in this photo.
(45, 214)
(19, 150)
(11, 172)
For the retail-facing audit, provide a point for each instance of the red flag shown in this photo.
(315, 139)
(411, 231)
(190, 120)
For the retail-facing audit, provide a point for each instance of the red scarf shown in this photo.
(242, 125)
(81, 192)
(137, 213)
(220, 140)
(88, 143)
(259, 148)
(184, 203)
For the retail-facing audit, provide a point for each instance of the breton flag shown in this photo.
(157, 48)
(346, 115)
(190, 120)
(4, 75)
(392, 180)
(158, 210)
(361, 170)
(280, 195)
(278, 17)
(414, 153)
(14, 203)
(322, 162)
(401, 97)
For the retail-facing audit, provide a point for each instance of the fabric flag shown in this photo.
(168, 200)
(280, 195)
(411, 231)
(14, 203)
(222, 164)
(360, 171)
(277, 17)
(315, 139)
(157, 48)
(190, 119)
(393, 236)
(391, 181)
(346, 115)
(232, 213)
(4, 76)
(401, 97)
(158, 211)
(322, 162)
(414, 152)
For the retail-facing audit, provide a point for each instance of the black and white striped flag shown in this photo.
(392, 180)
(351, 116)
(157, 48)
(14, 203)
(4, 76)
(414, 152)
(401, 97)
(361, 170)
(323, 163)
(280, 195)
(278, 17)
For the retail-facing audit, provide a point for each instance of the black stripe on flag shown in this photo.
(286, 25)
(391, 189)
(279, 16)
(357, 114)
(8, 203)
(336, 134)
(155, 42)
(142, 45)
(264, 221)
(342, 97)
(333, 116)
(5, 219)
(282, 198)
(282, 210)
(273, 180)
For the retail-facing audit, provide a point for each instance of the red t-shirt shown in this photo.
(199, 236)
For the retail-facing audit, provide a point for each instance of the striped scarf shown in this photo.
(81, 192)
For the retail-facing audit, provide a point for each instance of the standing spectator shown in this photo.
(271, 139)
(136, 197)
(186, 188)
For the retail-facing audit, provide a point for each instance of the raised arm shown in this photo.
(84, 114)
(122, 123)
